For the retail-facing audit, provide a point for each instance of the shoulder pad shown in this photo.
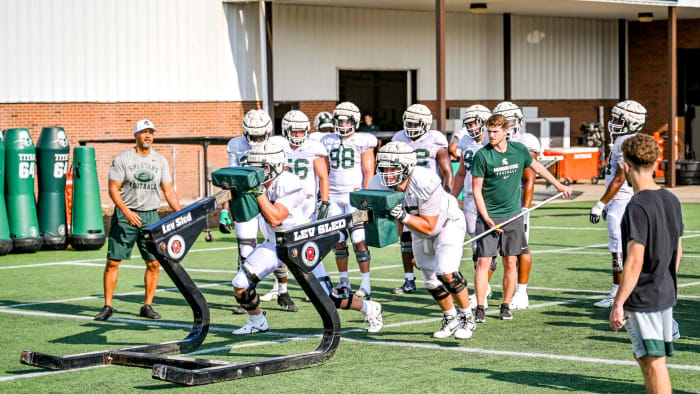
(423, 182)
(439, 138)
(287, 183)
(316, 148)
(280, 142)
(376, 183)
(369, 140)
(237, 144)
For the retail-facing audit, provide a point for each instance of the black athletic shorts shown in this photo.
(511, 242)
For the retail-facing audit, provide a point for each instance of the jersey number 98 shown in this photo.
(342, 157)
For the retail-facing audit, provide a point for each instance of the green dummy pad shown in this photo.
(239, 180)
(381, 229)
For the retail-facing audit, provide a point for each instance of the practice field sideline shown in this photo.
(562, 343)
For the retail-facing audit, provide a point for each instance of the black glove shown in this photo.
(323, 210)
(605, 214)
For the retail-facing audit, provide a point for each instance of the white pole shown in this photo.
(489, 231)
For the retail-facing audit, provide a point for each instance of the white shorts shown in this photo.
(441, 254)
(470, 213)
(261, 262)
(247, 230)
(340, 205)
(651, 332)
(308, 207)
(615, 209)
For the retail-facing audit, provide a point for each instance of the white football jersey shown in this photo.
(238, 149)
(469, 146)
(301, 163)
(425, 196)
(457, 135)
(426, 147)
(614, 160)
(345, 157)
(317, 135)
(531, 142)
(287, 190)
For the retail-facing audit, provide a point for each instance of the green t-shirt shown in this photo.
(502, 173)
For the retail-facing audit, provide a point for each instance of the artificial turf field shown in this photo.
(562, 343)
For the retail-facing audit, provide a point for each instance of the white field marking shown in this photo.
(39, 374)
(689, 284)
(514, 354)
(567, 228)
(77, 262)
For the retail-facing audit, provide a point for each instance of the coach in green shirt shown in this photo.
(497, 170)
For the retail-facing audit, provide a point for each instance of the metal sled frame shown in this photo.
(301, 248)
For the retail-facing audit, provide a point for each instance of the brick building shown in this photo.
(195, 67)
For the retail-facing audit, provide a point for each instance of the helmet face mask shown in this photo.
(417, 120)
(475, 127)
(346, 118)
(270, 158)
(344, 125)
(257, 127)
(513, 127)
(293, 123)
(395, 163)
(627, 117)
(514, 115)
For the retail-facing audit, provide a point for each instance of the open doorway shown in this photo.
(384, 94)
(689, 99)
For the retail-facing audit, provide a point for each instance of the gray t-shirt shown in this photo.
(141, 177)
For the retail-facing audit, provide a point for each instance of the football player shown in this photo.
(516, 133)
(628, 118)
(431, 152)
(257, 129)
(281, 199)
(323, 125)
(351, 157)
(474, 122)
(437, 230)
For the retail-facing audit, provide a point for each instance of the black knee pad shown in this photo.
(341, 294)
(456, 285)
(406, 242)
(439, 293)
(280, 272)
(249, 299)
(342, 253)
(617, 262)
(362, 255)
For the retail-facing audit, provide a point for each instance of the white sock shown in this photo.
(614, 289)
(410, 276)
(257, 319)
(521, 288)
(365, 281)
(282, 288)
(467, 311)
(451, 312)
(344, 276)
(365, 305)
(276, 286)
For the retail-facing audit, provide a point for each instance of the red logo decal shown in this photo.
(176, 247)
(310, 254)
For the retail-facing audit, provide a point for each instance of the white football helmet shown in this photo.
(257, 126)
(295, 120)
(268, 156)
(627, 117)
(323, 122)
(395, 163)
(474, 120)
(514, 115)
(417, 120)
(346, 118)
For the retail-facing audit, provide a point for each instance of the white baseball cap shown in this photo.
(144, 124)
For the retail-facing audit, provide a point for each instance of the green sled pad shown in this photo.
(239, 180)
(380, 230)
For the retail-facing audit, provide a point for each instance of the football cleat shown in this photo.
(105, 313)
(472, 298)
(409, 286)
(362, 292)
(253, 328)
(448, 326)
(479, 315)
(374, 317)
(148, 312)
(520, 300)
(285, 301)
(466, 327)
(272, 294)
(505, 314)
(608, 301)
(344, 283)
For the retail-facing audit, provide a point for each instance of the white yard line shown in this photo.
(568, 228)
(514, 354)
